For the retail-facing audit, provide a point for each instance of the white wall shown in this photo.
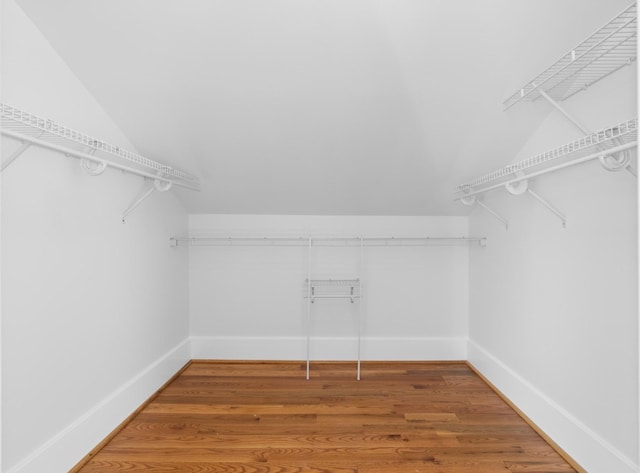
(247, 302)
(554, 311)
(94, 312)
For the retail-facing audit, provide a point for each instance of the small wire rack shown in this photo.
(332, 289)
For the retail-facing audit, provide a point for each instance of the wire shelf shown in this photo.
(623, 133)
(18, 123)
(604, 52)
(332, 288)
(334, 283)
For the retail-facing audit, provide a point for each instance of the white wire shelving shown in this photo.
(95, 155)
(619, 138)
(349, 289)
(305, 241)
(333, 289)
(605, 51)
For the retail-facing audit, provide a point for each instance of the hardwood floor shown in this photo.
(256, 417)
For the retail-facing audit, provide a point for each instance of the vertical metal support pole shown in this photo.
(308, 303)
(360, 264)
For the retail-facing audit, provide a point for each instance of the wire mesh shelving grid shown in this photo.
(622, 133)
(18, 123)
(333, 288)
(608, 49)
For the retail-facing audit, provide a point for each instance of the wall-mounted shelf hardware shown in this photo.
(612, 140)
(550, 207)
(333, 289)
(473, 200)
(612, 147)
(608, 49)
(95, 155)
(349, 289)
(614, 143)
(316, 288)
(322, 241)
(605, 51)
(156, 185)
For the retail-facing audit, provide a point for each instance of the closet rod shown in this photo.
(81, 155)
(558, 167)
(306, 241)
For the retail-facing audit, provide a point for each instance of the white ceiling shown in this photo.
(319, 106)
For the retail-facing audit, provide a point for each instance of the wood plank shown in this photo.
(255, 417)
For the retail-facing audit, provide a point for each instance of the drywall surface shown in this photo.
(248, 301)
(553, 310)
(93, 310)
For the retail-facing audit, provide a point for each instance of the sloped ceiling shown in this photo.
(319, 106)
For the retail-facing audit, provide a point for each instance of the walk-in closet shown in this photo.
(289, 236)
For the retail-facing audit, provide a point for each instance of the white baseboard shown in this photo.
(65, 449)
(586, 447)
(328, 348)
(70, 445)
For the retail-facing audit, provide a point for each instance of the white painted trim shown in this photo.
(585, 446)
(69, 446)
(328, 348)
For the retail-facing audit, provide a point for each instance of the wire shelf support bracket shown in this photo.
(158, 185)
(472, 200)
(522, 186)
(15, 155)
(95, 155)
(550, 207)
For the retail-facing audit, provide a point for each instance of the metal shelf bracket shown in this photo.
(15, 155)
(520, 185)
(559, 214)
(144, 193)
(158, 185)
(472, 200)
(24, 145)
(631, 170)
(566, 114)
